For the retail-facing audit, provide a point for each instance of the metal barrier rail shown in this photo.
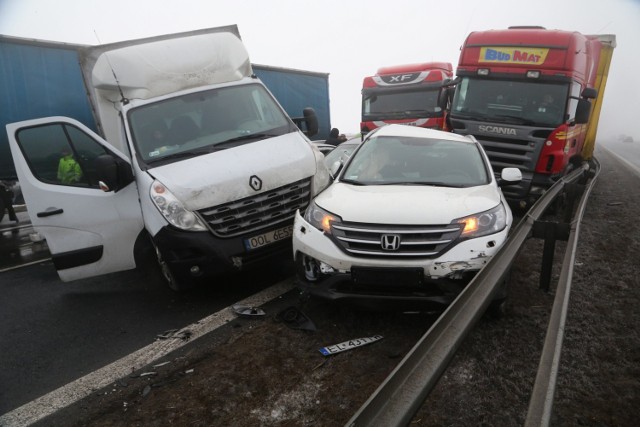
(541, 401)
(402, 393)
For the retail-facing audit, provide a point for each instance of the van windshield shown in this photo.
(203, 122)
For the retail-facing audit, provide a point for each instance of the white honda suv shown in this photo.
(412, 215)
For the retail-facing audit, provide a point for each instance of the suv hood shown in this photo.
(223, 176)
(406, 204)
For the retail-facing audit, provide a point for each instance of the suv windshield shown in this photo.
(202, 122)
(388, 160)
(508, 101)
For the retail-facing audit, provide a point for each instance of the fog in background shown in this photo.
(348, 39)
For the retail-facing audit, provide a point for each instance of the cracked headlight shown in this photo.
(320, 218)
(173, 210)
(483, 223)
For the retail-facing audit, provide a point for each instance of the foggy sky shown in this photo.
(349, 39)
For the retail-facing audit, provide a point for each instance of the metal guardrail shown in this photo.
(541, 401)
(402, 393)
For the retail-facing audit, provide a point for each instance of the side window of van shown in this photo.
(59, 153)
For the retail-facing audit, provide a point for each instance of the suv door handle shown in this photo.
(51, 212)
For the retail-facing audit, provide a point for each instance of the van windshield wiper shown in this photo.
(249, 136)
(178, 155)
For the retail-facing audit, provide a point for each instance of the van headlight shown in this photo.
(321, 179)
(173, 210)
(483, 223)
(320, 218)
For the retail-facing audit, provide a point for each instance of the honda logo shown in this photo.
(390, 242)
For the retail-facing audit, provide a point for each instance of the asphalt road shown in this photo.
(52, 333)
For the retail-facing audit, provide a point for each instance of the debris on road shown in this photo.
(295, 319)
(349, 345)
(247, 311)
(184, 334)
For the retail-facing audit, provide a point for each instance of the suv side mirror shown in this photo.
(509, 176)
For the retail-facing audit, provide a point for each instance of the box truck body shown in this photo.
(171, 138)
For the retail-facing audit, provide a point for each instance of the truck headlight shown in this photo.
(483, 223)
(320, 218)
(173, 210)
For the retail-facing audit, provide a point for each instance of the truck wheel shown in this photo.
(168, 276)
(1, 208)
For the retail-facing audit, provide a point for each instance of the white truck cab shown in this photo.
(195, 153)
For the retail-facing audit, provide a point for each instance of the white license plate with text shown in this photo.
(269, 237)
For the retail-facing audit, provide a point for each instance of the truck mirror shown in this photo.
(443, 98)
(583, 111)
(310, 121)
(590, 93)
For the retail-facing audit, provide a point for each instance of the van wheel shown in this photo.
(167, 274)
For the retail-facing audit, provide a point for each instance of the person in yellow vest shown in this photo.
(69, 171)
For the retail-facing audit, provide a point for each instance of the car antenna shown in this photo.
(124, 100)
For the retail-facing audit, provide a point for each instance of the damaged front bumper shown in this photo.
(325, 271)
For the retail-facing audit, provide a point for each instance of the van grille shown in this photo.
(392, 241)
(260, 211)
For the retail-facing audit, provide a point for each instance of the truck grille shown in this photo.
(260, 211)
(392, 241)
(511, 153)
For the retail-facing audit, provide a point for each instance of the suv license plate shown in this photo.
(348, 345)
(269, 237)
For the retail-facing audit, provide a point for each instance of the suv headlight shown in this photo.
(173, 210)
(320, 218)
(483, 223)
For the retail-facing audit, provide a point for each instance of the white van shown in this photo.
(195, 153)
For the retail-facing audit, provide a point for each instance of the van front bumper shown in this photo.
(192, 255)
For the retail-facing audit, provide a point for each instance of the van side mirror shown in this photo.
(583, 111)
(310, 121)
(112, 172)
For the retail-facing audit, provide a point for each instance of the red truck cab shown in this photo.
(531, 96)
(406, 94)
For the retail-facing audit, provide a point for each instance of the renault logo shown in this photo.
(255, 182)
(390, 242)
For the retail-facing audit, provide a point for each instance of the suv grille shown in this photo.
(259, 211)
(395, 241)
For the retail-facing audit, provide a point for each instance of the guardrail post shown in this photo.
(573, 193)
(550, 232)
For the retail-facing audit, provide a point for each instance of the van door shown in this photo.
(89, 231)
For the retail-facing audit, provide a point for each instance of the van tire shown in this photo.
(168, 276)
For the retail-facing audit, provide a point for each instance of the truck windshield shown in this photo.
(508, 101)
(379, 105)
(202, 122)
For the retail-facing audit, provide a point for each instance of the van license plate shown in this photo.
(269, 237)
